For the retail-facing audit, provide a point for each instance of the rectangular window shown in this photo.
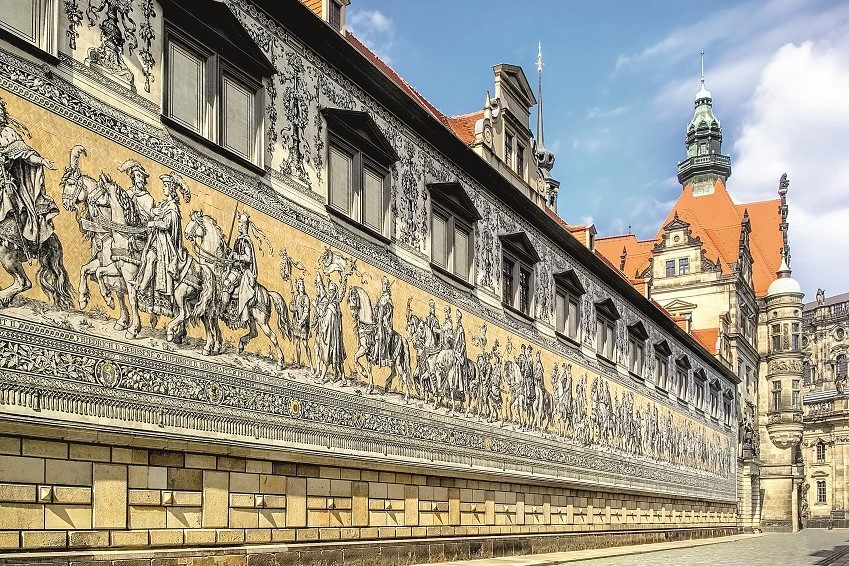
(439, 241)
(507, 268)
(670, 268)
(520, 160)
(796, 337)
(821, 491)
(334, 15)
(714, 403)
(699, 393)
(681, 382)
(462, 250)
(604, 337)
(524, 290)
(661, 371)
(683, 266)
(373, 192)
(820, 452)
(508, 150)
(726, 411)
(238, 118)
(795, 395)
(341, 175)
(186, 80)
(636, 355)
(775, 337)
(776, 395)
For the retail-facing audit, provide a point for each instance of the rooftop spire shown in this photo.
(545, 159)
(783, 187)
(703, 92)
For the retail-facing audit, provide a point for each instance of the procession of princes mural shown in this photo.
(150, 251)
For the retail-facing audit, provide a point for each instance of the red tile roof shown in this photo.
(707, 337)
(464, 125)
(716, 219)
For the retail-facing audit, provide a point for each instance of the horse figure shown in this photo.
(437, 369)
(212, 250)
(77, 187)
(366, 328)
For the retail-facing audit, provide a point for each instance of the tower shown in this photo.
(705, 163)
(780, 402)
(544, 158)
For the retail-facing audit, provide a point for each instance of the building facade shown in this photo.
(824, 343)
(710, 268)
(257, 290)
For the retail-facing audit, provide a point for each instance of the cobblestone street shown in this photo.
(811, 547)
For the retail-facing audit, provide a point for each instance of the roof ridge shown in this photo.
(466, 115)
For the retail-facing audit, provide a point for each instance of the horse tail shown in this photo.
(208, 292)
(52, 275)
(283, 322)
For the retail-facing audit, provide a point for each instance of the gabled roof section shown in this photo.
(684, 361)
(214, 24)
(515, 72)
(663, 348)
(455, 199)
(638, 330)
(679, 305)
(676, 223)
(359, 128)
(606, 307)
(570, 280)
(519, 244)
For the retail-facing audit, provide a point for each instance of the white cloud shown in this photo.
(799, 124)
(375, 30)
(597, 112)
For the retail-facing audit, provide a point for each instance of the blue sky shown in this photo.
(620, 78)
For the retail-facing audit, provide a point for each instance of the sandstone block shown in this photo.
(283, 535)
(272, 518)
(272, 484)
(91, 452)
(145, 497)
(166, 537)
(17, 493)
(67, 472)
(258, 536)
(21, 516)
(244, 483)
(157, 477)
(110, 496)
(166, 458)
(188, 498)
(88, 539)
(72, 495)
(203, 461)
(147, 517)
(10, 445)
(296, 502)
(258, 467)
(19, 469)
(44, 539)
(45, 448)
(215, 500)
(182, 518)
(231, 464)
(244, 519)
(229, 536)
(200, 536)
(10, 540)
(129, 539)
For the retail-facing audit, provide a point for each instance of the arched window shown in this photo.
(820, 451)
(840, 368)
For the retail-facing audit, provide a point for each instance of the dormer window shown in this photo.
(508, 150)
(606, 317)
(670, 268)
(359, 160)
(567, 304)
(518, 262)
(636, 348)
(213, 80)
(682, 377)
(453, 216)
(334, 15)
(520, 160)
(683, 266)
(661, 364)
(699, 383)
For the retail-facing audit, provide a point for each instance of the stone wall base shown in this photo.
(827, 523)
(384, 553)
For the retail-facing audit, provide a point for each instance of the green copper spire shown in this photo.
(705, 163)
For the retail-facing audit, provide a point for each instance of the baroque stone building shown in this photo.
(826, 350)
(257, 290)
(711, 266)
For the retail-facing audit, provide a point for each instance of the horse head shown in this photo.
(195, 229)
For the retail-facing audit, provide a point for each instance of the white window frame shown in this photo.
(45, 27)
(453, 224)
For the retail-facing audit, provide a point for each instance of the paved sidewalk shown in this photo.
(555, 558)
